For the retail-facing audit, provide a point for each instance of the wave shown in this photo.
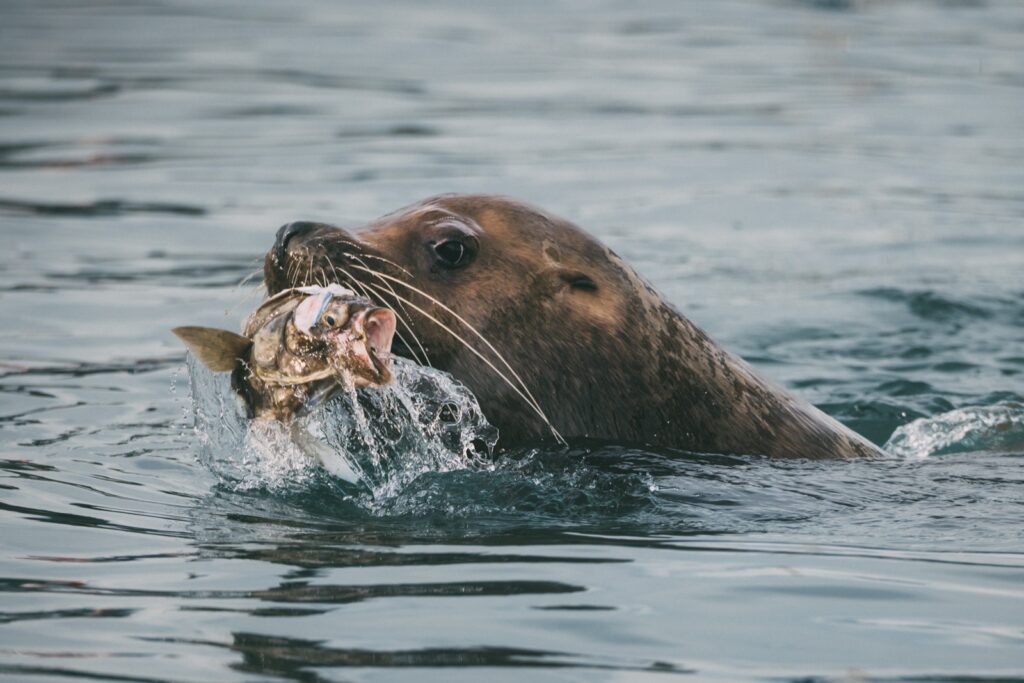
(998, 427)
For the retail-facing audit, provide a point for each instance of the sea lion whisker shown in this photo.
(473, 330)
(385, 260)
(256, 266)
(247, 278)
(465, 322)
(298, 265)
(293, 270)
(360, 247)
(529, 400)
(250, 294)
(309, 266)
(400, 304)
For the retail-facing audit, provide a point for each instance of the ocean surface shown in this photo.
(833, 189)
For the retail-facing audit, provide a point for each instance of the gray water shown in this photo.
(832, 189)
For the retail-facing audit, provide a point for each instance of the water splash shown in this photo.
(370, 442)
(977, 428)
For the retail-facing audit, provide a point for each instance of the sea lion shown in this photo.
(298, 349)
(556, 335)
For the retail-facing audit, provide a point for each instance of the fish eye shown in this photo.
(452, 253)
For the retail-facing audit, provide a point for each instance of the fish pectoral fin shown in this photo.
(218, 350)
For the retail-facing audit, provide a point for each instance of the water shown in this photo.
(831, 189)
(370, 442)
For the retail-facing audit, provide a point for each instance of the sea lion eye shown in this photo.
(450, 244)
(452, 253)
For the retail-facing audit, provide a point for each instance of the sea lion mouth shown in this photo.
(306, 253)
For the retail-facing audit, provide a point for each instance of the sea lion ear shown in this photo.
(578, 280)
(218, 350)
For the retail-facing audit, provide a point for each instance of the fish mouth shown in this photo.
(374, 328)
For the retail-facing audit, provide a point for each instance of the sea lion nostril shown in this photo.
(290, 230)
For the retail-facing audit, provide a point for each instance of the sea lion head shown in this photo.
(525, 308)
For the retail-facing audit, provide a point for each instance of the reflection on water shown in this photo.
(291, 658)
(832, 189)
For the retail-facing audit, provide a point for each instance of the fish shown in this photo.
(298, 349)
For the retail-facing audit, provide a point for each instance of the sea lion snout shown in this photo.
(290, 239)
